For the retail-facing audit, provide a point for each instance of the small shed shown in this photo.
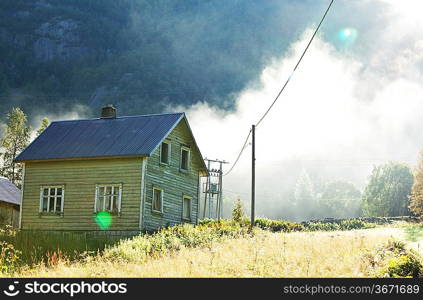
(10, 201)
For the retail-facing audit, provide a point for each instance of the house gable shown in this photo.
(184, 133)
(174, 182)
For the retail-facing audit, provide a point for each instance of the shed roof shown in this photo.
(90, 138)
(9, 192)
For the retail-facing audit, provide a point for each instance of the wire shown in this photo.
(283, 88)
(296, 66)
(239, 155)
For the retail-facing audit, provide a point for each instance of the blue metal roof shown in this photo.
(124, 136)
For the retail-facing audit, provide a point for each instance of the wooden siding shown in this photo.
(9, 214)
(80, 178)
(175, 183)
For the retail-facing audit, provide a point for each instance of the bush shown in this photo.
(278, 225)
(9, 258)
(355, 224)
(395, 260)
(406, 265)
(320, 226)
(206, 221)
(343, 225)
(238, 211)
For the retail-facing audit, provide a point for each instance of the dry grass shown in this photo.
(299, 254)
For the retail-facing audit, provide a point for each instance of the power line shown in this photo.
(286, 83)
(240, 152)
(298, 63)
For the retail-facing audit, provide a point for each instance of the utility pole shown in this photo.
(206, 194)
(219, 196)
(253, 174)
(214, 188)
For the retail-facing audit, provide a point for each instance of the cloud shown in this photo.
(78, 111)
(322, 122)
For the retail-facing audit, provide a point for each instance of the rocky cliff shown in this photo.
(140, 55)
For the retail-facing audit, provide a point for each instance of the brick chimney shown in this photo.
(108, 112)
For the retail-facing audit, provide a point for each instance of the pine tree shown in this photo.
(16, 138)
(416, 198)
(44, 124)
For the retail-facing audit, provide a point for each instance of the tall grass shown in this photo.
(35, 247)
(32, 250)
(263, 254)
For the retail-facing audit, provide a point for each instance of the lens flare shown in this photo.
(103, 220)
(347, 34)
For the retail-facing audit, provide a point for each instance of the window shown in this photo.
(157, 204)
(108, 197)
(165, 153)
(51, 199)
(185, 158)
(186, 208)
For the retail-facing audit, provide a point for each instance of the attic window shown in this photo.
(51, 199)
(165, 153)
(185, 157)
(108, 198)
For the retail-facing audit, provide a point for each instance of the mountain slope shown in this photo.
(140, 55)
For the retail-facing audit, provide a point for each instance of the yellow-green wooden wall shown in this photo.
(80, 179)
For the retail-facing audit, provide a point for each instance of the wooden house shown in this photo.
(112, 173)
(10, 200)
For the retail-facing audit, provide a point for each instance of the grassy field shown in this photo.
(232, 251)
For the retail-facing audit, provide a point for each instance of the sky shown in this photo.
(355, 101)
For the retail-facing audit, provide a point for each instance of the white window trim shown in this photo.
(156, 188)
(113, 185)
(184, 148)
(183, 207)
(40, 210)
(169, 151)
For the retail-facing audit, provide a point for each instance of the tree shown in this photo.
(238, 211)
(304, 195)
(16, 138)
(416, 198)
(339, 199)
(44, 124)
(387, 193)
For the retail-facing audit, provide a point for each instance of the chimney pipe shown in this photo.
(108, 112)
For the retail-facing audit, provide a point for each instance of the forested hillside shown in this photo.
(140, 55)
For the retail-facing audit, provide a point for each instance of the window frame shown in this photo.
(183, 207)
(156, 188)
(169, 151)
(49, 187)
(119, 198)
(187, 149)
